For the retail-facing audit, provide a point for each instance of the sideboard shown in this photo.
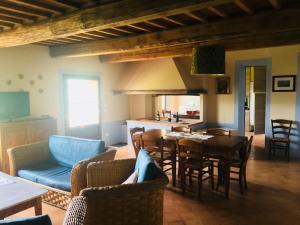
(23, 132)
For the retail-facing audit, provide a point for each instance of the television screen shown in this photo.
(14, 105)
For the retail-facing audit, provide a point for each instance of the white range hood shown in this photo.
(163, 76)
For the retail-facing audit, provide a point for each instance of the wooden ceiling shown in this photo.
(124, 30)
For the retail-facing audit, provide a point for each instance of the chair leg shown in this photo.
(174, 171)
(241, 182)
(288, 151)
(212, 176)
(190, 178)
(270, 149)
(161, 164)
(245, 179)
(179, 168)
(220, 175)
(199, 183)
(183, 179)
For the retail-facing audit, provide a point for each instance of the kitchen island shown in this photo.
(162, 124)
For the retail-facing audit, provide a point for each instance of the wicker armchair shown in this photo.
(76, 211)
(109, 203)
(26, 155)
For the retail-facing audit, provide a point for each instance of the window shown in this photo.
(82, 102)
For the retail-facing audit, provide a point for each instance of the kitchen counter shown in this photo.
(162, 124)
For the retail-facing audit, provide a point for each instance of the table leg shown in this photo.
(227, 174)
(38, 206)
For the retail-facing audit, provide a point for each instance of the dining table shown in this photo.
(222, 147)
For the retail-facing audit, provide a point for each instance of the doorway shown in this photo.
(255, 101)
(81, 106)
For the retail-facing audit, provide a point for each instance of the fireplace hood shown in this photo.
(161, 77)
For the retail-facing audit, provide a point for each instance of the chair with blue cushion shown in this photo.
(109, 202)
(58, 164)
(75, 215)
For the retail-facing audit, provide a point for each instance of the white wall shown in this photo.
(32, 61)
(283, 104)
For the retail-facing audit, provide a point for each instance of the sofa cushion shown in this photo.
(146, 167)
(49, 174)
(68, 151)
(38, 220)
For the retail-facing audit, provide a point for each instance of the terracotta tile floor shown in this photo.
(273, 197)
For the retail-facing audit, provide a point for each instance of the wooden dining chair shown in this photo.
(192, 158)
(281, 130)
(181, 129)
(163, 151)
(218, 132)
(216, 157)
(184, 130)
(136, 134)
(238, 166)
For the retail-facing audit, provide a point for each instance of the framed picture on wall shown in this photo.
(284, 83)
(223, 85)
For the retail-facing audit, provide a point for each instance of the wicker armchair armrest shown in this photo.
(108, 173)
(135, 204)
(79, 171)
(76, 211)
(27, 155)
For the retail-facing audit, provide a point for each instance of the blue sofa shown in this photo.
(59, 163)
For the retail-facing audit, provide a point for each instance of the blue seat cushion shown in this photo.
(38, 220)
(50, 174)
(146, 167)
(68, 151)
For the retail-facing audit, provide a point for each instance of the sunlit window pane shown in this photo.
(83, 102)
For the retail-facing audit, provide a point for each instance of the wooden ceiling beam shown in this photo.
(122, 30)
(73, 39)
(13, 7)
(40, 5)
(96, 18)
(70, 4)
(173, 21)
(6, 24)
(156, 24)
(18, 15)
(218, 12)
(269, 23)
(84, 36)
(109, 33)
(245, 6)
(96, 34)
(136, 27)
(11, 19)
(149, 54)
(287, 38)
(196, 17)
(275, 4)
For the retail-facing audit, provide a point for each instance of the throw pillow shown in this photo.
(38, 220)
(146, 166)
(132, 179)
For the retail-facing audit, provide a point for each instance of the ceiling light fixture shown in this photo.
(208, 60)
